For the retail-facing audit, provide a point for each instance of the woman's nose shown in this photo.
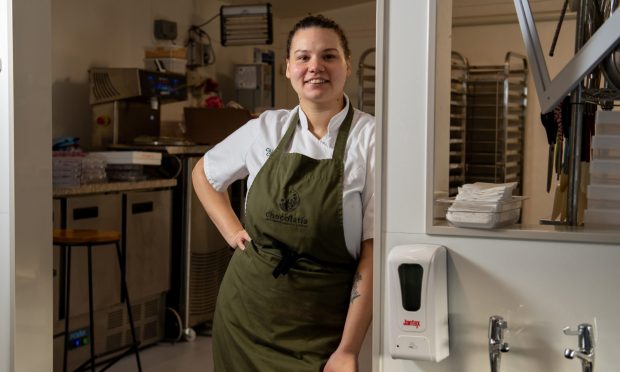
(316, 65)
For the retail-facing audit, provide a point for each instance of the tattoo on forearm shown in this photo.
(354, 293)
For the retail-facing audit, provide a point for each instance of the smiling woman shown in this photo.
(297, 294)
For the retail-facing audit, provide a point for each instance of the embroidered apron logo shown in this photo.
(287, 204)
(290, 203)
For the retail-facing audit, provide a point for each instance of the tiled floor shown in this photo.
(171, 357)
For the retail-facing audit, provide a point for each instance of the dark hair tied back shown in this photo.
(321, 22)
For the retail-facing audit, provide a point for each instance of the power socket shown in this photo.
(165, 30)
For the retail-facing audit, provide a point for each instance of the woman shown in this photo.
(297, 295)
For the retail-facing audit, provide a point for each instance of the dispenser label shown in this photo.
(411, 323)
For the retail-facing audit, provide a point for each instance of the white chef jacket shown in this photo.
(244, 152)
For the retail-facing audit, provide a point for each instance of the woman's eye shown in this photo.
(329, 57)
(302, 58)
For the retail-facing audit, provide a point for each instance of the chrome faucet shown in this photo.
(585, 338)
(497, 325)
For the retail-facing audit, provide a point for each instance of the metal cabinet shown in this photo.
(144, 218)
(102, 212)
(147, 237)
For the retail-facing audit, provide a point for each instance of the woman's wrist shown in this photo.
(238, 239)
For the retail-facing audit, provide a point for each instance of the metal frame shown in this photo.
(551, 92)
(366, 82)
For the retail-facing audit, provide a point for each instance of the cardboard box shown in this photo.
(211, 125)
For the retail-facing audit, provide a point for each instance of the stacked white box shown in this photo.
(604, 189)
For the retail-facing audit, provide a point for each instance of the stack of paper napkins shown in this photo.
(485, 205)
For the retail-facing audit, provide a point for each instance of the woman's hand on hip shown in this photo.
(341, 361)
(238, 239)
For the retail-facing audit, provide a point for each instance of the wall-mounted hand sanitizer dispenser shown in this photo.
(418, 302)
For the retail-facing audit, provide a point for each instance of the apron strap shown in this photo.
(343, 135)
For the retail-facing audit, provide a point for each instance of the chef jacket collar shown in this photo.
(332, 127)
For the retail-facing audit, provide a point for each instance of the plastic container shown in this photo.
(604, 192)
(606, 146)
(601, 217)
(607, 117)
(472, 206)
(605, 171)
(603, 204)
(175, 65)
(170, 51)
(131, 157)
(484, 215)
(483, 220)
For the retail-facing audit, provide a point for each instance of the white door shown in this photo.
(6, 247)
(25, 186)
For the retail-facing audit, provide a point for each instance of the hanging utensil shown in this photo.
(551, 129)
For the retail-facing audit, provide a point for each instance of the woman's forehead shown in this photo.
(315, 36)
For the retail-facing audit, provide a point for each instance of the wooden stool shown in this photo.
(91, 238)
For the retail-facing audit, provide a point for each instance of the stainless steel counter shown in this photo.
(170, 149)
(560, 233)
(102, 188)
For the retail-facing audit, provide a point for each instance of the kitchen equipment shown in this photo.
(418, 302)
(254, 86)
(458, 121)
(126, 103)
(496, 103)
(199, 255)
(611, 63)
(551, 129)
(366, 81)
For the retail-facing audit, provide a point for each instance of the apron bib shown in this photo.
(284, 299)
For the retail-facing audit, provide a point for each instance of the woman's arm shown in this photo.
(359, 316)
(218, 207)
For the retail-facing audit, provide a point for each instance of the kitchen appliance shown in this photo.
(199, 255)
(418, 302)
(126, 103)
(254, 86)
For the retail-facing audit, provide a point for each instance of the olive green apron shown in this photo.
(284, 299)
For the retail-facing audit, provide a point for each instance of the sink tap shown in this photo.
(497, 325)
(585, 338)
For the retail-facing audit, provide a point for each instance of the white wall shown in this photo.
(540, 287)
(114, 33)
(358, 21)
(7, 302)
(103, 33)
(31, 185)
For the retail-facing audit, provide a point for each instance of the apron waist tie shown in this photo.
(286, 262)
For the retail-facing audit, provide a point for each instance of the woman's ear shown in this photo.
(288, 73)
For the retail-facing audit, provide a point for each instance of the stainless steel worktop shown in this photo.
(171, 149)
(101, 188)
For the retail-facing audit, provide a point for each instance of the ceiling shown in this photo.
(291, 8)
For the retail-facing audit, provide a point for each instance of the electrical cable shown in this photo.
(178, 317)
(209, 20)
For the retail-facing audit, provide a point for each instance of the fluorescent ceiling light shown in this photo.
(246, 24)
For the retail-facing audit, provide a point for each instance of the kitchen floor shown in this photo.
(171, 357)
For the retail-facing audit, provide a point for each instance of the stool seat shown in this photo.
(85, 237)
